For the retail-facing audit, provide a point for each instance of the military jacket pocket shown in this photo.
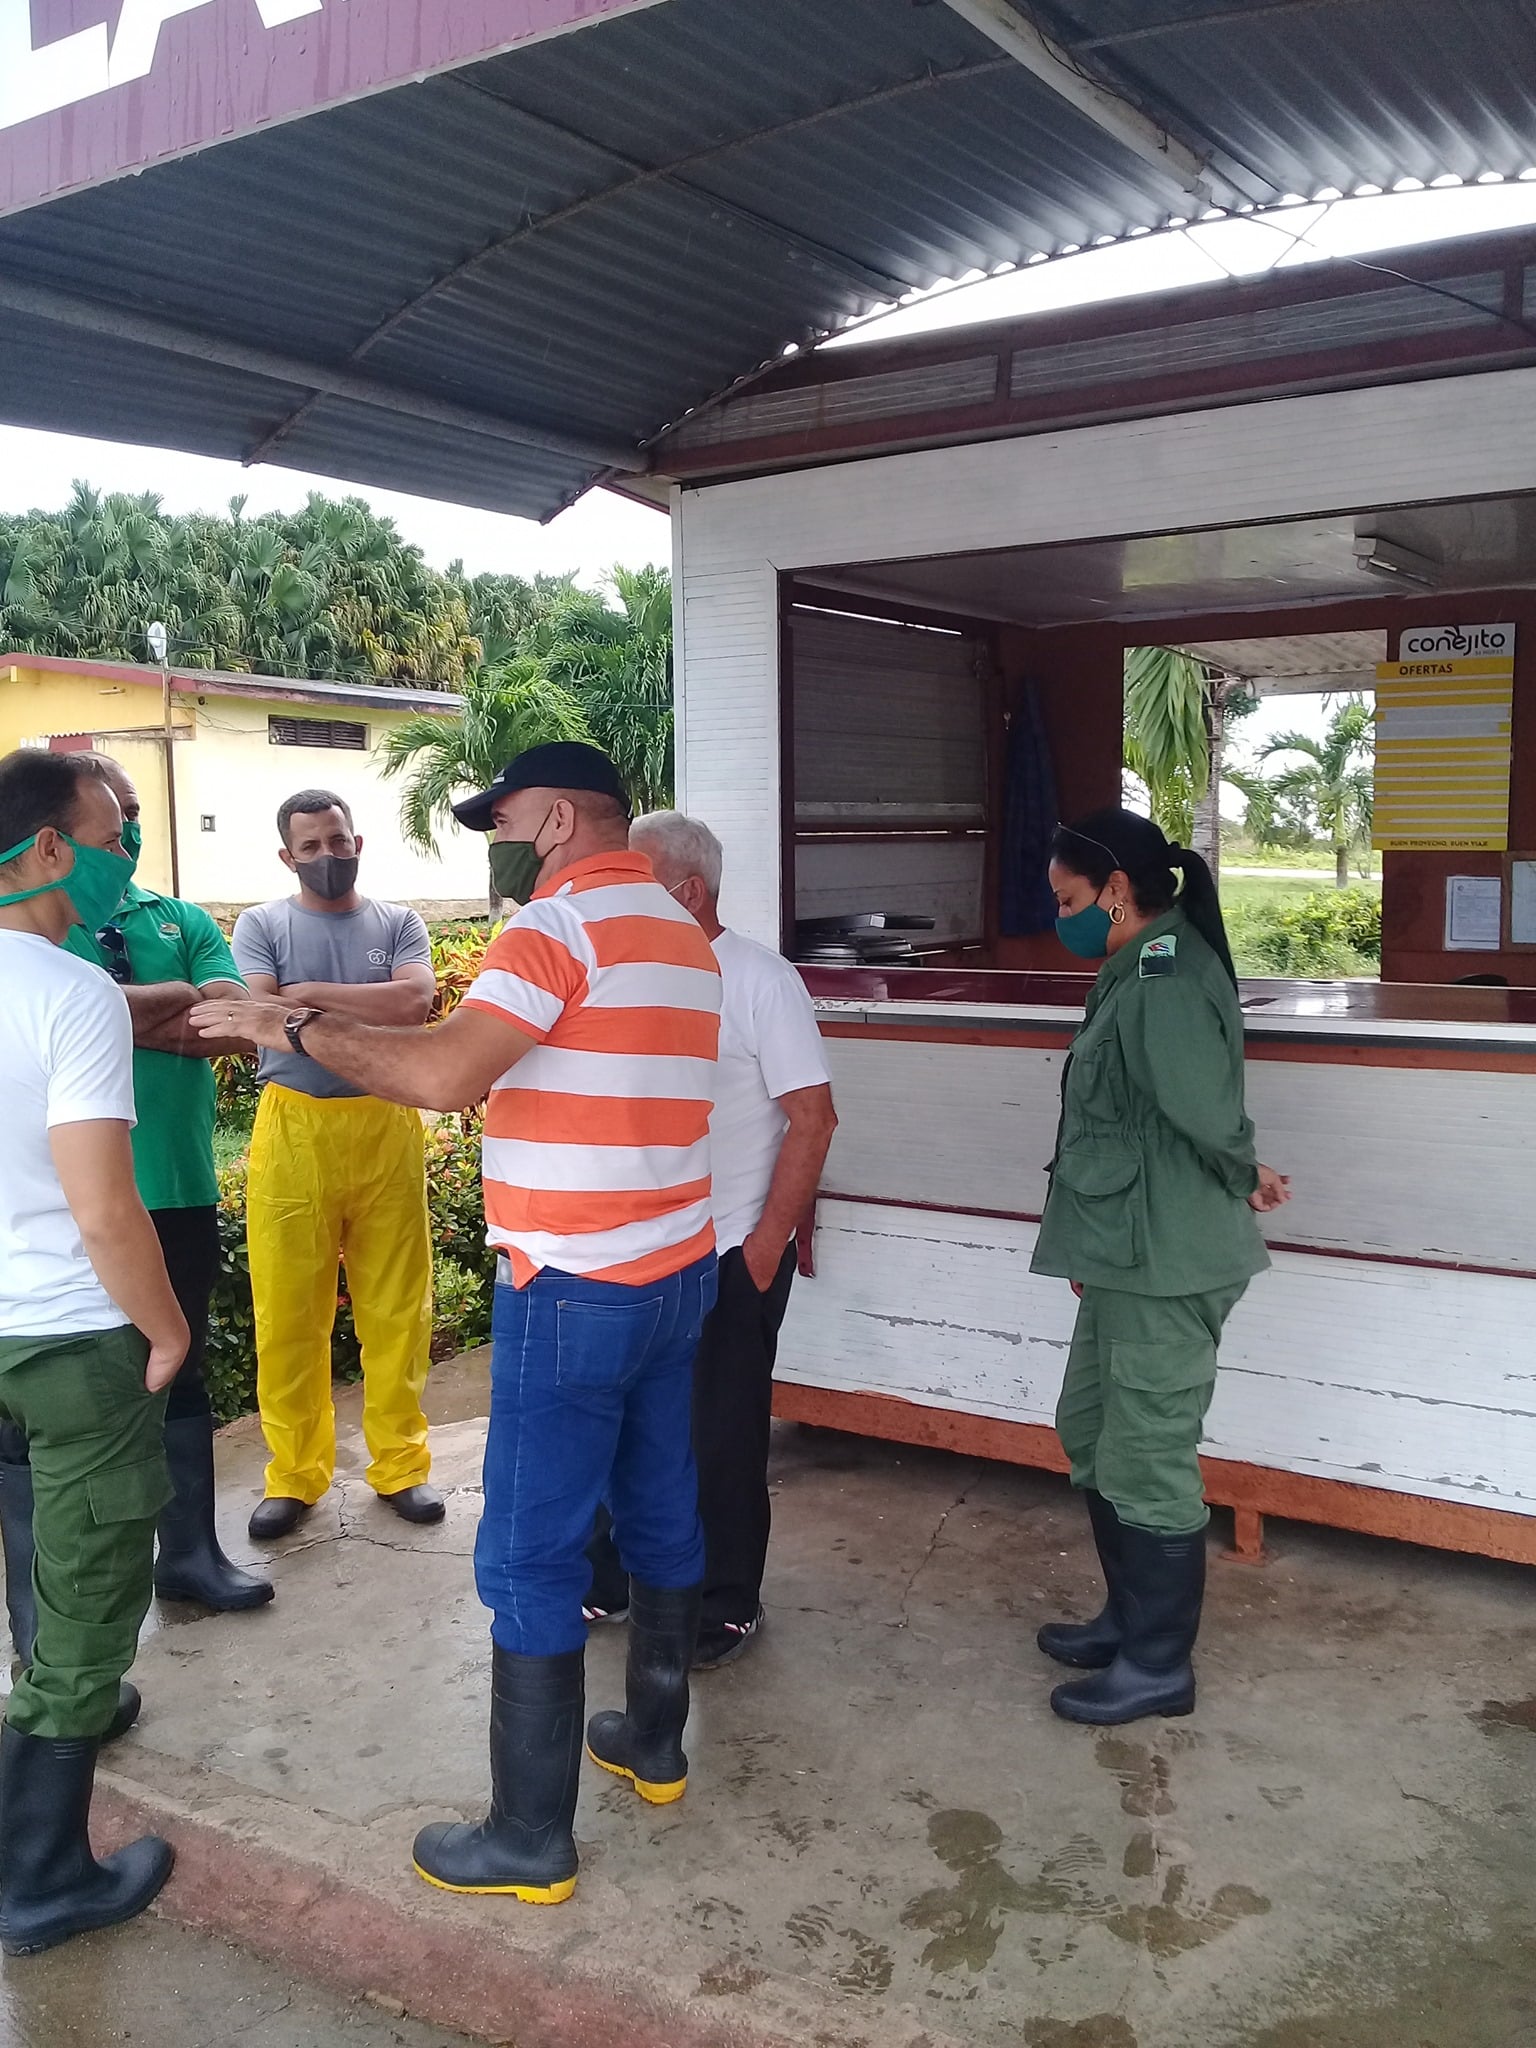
(1099, 1184)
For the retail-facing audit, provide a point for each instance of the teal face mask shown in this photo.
(94, 885)
(1086, 932)
(133, 839)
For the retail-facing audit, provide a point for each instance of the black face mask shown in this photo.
(330, 877)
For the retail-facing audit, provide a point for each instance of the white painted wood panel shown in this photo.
(1415, 1381)
(1285, 458)
(1407, 1162)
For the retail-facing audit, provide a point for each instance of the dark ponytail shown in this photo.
(1096, 846)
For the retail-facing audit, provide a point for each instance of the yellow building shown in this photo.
(239, 745)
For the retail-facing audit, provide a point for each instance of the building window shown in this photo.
(336, 733)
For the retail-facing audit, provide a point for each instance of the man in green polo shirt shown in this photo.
(165, 954)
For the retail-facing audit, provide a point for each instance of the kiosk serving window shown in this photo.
(888, 758)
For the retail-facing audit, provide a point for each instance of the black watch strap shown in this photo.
(293, 1026)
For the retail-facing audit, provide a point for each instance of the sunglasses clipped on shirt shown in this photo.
(115, 946)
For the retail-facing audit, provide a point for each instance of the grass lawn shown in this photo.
(1242, 853)
(1272, 892)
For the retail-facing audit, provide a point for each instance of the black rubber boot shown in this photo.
(524, 1847)
(1162, 1585)
(190, 1564)
(51, 1886)
(1091, 1645)
(645, 1744)
(20, 1603)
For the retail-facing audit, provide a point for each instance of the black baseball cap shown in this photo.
(558, 764)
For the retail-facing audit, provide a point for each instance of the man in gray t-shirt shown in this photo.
(336, 1175)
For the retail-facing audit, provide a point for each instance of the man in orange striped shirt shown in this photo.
(593, 1029)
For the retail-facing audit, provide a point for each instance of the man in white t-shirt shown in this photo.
(90, 1337)
(772, 1123)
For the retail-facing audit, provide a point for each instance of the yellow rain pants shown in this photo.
(340, 1177)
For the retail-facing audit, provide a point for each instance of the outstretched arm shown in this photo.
(447, 1066)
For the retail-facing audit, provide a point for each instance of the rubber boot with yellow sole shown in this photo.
(645, 1744)
(524, 1848)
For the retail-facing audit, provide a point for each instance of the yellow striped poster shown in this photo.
(1442, 739)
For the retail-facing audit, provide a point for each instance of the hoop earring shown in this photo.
(1117, 913)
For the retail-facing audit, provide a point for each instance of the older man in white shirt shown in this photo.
(772, 1123)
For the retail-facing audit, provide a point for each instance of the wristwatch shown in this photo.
(293, 1025)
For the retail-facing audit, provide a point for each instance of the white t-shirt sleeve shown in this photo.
(90, 1057)
(789, 1047)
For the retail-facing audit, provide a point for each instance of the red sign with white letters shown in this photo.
(93, 89)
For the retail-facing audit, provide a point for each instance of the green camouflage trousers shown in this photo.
(1140, 1375)
(95, 1436)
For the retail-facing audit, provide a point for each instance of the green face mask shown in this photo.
(133, 839)
(94, 885)
(515, 865)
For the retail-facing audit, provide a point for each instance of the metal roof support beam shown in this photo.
(1002, 24)
(120, 323)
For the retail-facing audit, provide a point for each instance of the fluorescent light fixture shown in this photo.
(1400, 565)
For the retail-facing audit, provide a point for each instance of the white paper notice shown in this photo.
(1522, 903)
(1474, 907)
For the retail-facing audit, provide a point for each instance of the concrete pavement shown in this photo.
(156, 1982)
(888, 1841)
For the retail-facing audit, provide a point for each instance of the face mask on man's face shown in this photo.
(515, 865)
(94, 885)
(330, 877)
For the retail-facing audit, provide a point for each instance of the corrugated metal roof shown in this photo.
(1329, 92)
(222, 682)
(595, 235)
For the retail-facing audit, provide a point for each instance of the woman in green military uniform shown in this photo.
(1151, 1217)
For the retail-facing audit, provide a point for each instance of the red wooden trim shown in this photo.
(866, 835)
(817, 597)
(805, 1243)
(1044, 1037)
(1252, 1490)
(1305, 374)
(789, 881)
(1350, 1053)
(1247, 1538)
(1274, 1244)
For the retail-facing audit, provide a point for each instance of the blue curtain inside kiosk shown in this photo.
(1029, 819)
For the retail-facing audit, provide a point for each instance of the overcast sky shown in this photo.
(37, 469)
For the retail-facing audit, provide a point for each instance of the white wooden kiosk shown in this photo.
(1383, 1376)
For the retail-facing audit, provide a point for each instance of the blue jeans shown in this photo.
(591, 1392)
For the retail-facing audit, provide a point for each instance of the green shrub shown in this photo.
(1330, 931)
(463, 1272)
(461, 1308)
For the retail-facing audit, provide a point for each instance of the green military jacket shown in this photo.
(1154, 1157)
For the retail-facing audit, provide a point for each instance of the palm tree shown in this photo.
(510, 703)
(1332, 784)
(1167, 736)
(617, 660)
(1176, 713)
